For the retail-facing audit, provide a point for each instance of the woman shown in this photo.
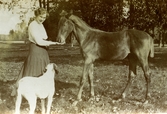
(38, 57)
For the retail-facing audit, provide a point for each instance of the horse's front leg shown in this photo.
(83, 79)
(86, 69)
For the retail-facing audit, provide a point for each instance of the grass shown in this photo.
(110, 79)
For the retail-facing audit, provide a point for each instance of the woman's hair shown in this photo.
(41, 11)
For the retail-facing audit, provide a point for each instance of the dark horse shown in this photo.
(96, 44)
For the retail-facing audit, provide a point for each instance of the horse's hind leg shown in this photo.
(132, 73)
(147, 74)
(91, 80)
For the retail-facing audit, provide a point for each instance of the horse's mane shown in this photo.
(63, 19)
(78, 21)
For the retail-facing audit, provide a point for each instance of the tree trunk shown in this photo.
(131, 14)
(40, 3)
(47, 5)
(44, 4)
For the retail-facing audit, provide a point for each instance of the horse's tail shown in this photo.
(151, 47)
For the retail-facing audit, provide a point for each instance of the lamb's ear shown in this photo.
(56, 71)
(44, 70)
(55, 68)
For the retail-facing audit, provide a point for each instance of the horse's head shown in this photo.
(65, 27)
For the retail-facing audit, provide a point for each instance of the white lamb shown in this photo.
(33, 87)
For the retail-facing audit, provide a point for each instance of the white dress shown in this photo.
(38, 57)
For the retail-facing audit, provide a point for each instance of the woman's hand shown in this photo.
(59, 43)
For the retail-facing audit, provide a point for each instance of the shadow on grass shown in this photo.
(159, 60)
(63, 85)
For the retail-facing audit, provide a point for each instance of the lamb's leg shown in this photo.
(32, 99)
(43, 105)
(50, 99)
(18, 103)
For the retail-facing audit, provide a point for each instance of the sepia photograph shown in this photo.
(83, 56)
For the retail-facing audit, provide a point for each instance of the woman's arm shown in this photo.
(37, 34)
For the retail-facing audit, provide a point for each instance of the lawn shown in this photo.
(110, 78)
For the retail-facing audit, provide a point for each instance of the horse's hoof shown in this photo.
(145, 102)
(123, 96)
(148, 96)
(91, 99)
(76, 102)
(117, 100)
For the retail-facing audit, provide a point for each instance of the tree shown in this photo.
(107, 15)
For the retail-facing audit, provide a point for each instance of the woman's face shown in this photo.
(41, 18)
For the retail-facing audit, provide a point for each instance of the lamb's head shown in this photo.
(52, 66)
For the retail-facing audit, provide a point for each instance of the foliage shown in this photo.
(101, 15)
(146, 14)
(108, 14)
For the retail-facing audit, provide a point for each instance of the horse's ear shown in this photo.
(63, 13)
(66, 14)
(69, 14)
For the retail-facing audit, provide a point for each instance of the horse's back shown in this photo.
(117, 45)
(138, 34)
(113, 45)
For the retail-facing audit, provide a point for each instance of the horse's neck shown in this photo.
(81, 34)
(79, 22)
(80, 28)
